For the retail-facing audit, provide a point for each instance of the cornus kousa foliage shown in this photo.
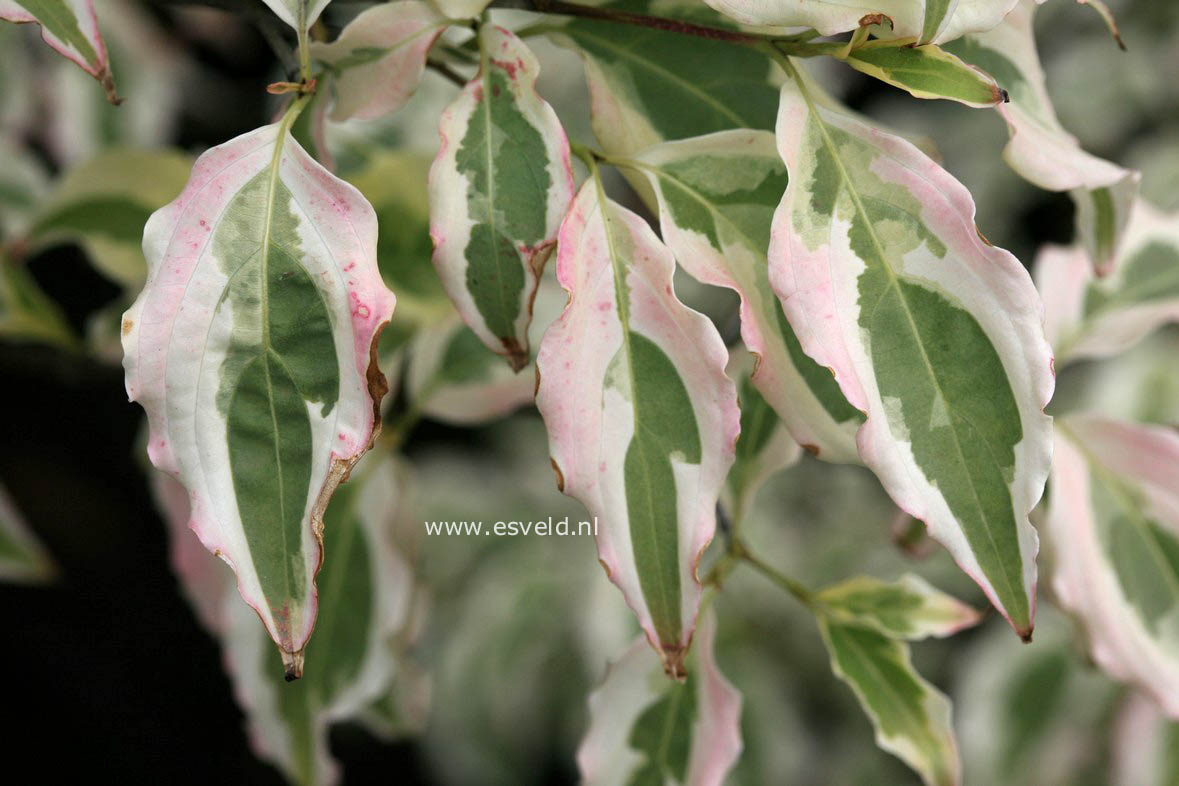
(544, 250)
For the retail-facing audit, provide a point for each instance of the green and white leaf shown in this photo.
(647, 729)
(103, 204)
(1113, 523)
(23, 559)
(377, 60)
(910, 716)
(926, 71)
(299, 14)
(716, 196)
(1087, 316)
(647, 86)
(929, 21)
(454, 378)
(498, 190)
(642, 420)
(71, 28)
(252, 348)
(764, 447)
(1041, 150)
(931, 331)
(909, 608)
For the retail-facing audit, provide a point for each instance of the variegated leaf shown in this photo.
(498, 190)
(103, 204)
(926, 72)
(252, 350)
(1090, 317)
(70, 27)
(454, 378)
(1113, 523)
(364, 601)
(717, 196)
(928, 21)
(642, 420)
(378, 59)
(647, 729)
(909, 608)
(299, 14)
(648, 86)
(1041, 150)
(910, 716)
(22, 557)
(764, 447)
(930, 330)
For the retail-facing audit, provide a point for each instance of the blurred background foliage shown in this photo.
(107, 667)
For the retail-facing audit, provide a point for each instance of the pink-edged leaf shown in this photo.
(1113, 523)
(71, 28)
(498, 190)
(641, 418)
(637, 707)
(931, 331)
(378, 59)
(252, 349)
(1089, 317)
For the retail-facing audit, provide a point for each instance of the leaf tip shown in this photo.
(292, 663)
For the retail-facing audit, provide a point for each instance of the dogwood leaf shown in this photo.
(1087, 316)
(931, 331)
(1113, 523)
(926, 71)
(641, 418)
(252, 348)
(378, 59)
(498, 190)
(716, 197)
(648, 85)
(911, 717)
(1041, 150)
(647, 729)
(928, 21)
(71, 28)
(764, 447)
(909, 608)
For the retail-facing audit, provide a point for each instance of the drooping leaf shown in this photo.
(22, 557)
(926, 71)
(1113, 523)
(103, 204)
(929, 21)
(498, 190)
(70, 27)
(910, 716)
(909, 608)
(1041, 150)
(378, 59)
(716, 197)
(764, 447)
(645, 729)
(252, 349)
(299, 14)
(1089, 317)
(454, 378)
(930, 330)
(648, 86)
(641, 418)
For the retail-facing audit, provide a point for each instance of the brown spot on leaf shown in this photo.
(127, 326)
(812, 449)
(868, 20)
(561, 481)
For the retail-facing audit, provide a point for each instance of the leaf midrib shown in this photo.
(894, 283)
